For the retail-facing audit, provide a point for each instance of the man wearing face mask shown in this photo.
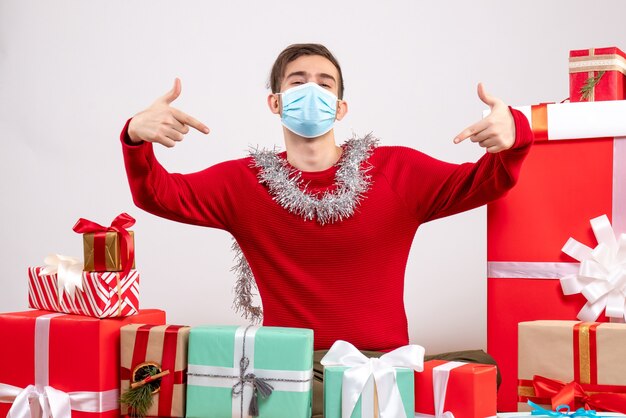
(325, 230)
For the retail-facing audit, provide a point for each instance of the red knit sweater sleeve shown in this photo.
(432, 189)
(200, 198)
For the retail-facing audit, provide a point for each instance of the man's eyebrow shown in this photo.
(296, 73)
(303, 73)
(324, 75)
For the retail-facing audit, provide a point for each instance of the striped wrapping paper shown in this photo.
(103, 294)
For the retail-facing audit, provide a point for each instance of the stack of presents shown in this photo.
(556, 309)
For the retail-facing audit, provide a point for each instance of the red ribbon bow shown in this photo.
(573, 394)
(119, 225)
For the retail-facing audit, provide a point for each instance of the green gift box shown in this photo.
(356, 386)
(333, 385)
(235, 368)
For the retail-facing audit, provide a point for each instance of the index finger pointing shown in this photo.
(470, 130)
(184, 118)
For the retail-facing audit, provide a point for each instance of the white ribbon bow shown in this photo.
(601, 277)
(48, 402)
(51, 402)
(69, 271)
(382, 369)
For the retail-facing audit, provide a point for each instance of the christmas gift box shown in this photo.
(356, 386)
(597, 74)
(62, 286)
(62, 365)
(564, 413)
(575, 171)
(249, 370)
(465, 390)
(109, 248)
(578, 364)
(154, 369)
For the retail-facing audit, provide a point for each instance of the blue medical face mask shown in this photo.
(308, 110)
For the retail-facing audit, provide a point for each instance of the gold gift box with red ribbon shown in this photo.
(109, 248)
(102, 251)
(597, 74)
(580, 364)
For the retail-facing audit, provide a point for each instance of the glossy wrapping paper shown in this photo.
(103, 294)
(470, 390)
(568, 178)
(608, 65)
(82, 355)
(102, 251)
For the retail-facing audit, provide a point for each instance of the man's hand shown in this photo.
(496, 132)
(162, 123)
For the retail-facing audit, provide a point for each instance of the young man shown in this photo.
(324, 229)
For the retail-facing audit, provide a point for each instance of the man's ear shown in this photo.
(342, 109)
(273, 102)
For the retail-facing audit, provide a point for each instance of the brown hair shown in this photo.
(295, 51)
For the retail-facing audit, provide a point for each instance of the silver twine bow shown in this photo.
(259, 386)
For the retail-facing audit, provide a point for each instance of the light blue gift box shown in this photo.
(281, 357)
(333, 384)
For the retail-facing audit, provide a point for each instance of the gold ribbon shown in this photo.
(539, 121)
(584, 352)
(591, 63)
(119, 295)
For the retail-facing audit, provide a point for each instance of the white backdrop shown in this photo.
(72, 72)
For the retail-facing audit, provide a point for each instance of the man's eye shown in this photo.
(296, 82)
(327, 86)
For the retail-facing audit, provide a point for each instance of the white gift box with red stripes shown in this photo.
(101, 294)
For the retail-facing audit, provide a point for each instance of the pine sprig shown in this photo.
(139, 398)
(590, 84)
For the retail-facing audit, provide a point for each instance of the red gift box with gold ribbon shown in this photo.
(575, 171)
(579, 364)
(597, 74)
(62, 365)
(162, 349)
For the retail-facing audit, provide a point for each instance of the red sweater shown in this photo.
(344, 280)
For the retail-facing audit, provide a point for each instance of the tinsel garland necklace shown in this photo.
(351, 180)
(286, 186)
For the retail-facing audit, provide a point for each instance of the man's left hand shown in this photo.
(496, 132)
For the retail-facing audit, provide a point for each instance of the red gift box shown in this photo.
(597, 74)
(57, 360)
(469, 392)
(103, 295)
(563, 184)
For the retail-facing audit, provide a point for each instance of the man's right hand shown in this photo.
(162, 123)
